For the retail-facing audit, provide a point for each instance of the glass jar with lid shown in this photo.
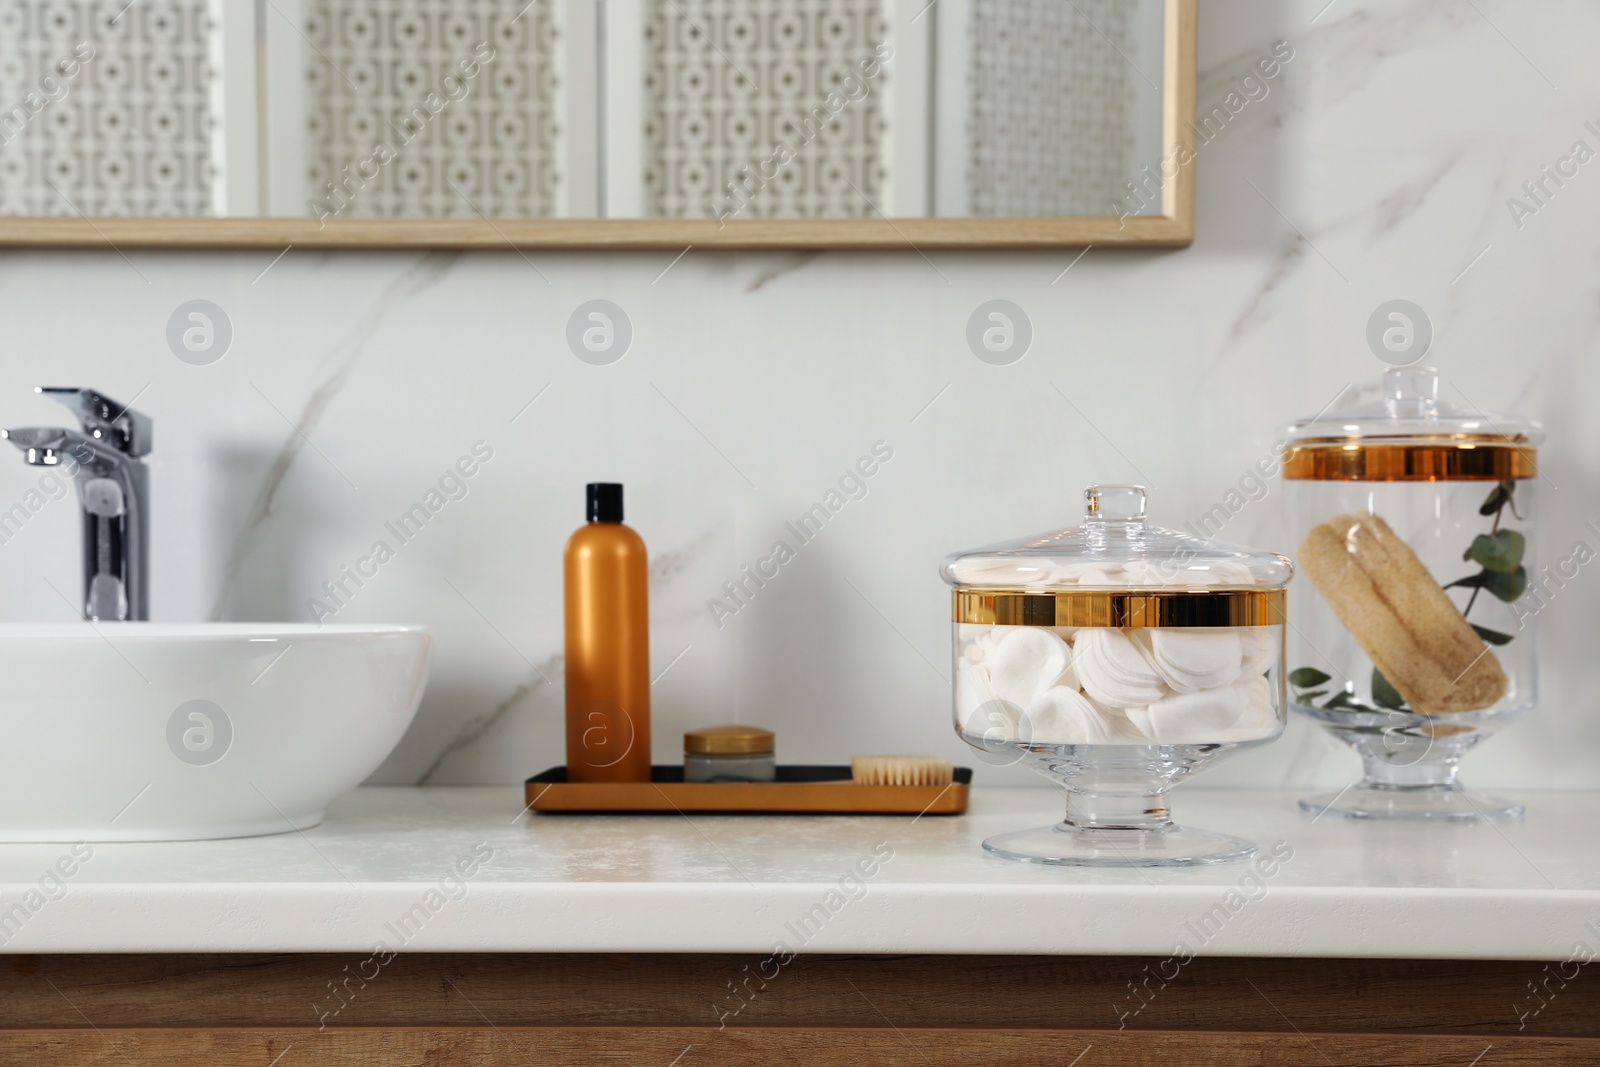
(1117, 657)
(1413, 642)
(730, 753)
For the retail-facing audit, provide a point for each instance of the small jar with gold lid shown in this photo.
(1413, 641)
(729, 754)
(1117, 657)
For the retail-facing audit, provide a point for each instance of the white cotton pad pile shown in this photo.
(1113, 670)
(1105, 686)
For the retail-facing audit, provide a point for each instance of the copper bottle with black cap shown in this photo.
(608, 646)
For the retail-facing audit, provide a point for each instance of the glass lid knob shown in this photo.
(1114, 503)
(1411, 392)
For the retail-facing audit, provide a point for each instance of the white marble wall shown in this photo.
(1379, 166)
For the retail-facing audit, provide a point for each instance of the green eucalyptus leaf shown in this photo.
(1307, 678)
(1499, 496)
(1494, 637)
(1384, 693)
(1500, 551)
(1307, 698)
(1505, 586)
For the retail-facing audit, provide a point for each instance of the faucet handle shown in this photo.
(127, 430)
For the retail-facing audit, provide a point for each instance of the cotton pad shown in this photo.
(1112, 669)
(1063, 716)
(1189, 718)
(1193, 659)
(1026, 662)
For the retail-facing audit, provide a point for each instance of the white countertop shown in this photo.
(673, 883)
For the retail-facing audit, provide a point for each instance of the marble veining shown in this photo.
(478, 729)
(1411, 197)
(1257, 311)
(1358, 40)
(414, 281)
(788, 265)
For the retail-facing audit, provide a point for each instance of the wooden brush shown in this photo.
(901, 770)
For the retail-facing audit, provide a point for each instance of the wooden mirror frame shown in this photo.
(1173, 228)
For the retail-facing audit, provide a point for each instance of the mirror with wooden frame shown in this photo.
(596, 123)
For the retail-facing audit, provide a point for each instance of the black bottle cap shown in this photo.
(605, 502)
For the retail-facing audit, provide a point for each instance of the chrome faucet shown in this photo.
(104, 463)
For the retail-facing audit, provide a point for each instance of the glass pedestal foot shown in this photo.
(1066, 845)
(1447, 802)
(1409, 764)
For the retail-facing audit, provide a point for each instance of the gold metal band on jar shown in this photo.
(1485, 458)
(1100, 607)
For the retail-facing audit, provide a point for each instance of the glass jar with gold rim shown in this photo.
(1412, 640)
(1117, 657)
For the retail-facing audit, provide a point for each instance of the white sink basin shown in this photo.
(140, 731)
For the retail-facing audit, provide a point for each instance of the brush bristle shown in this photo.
(901, 770)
